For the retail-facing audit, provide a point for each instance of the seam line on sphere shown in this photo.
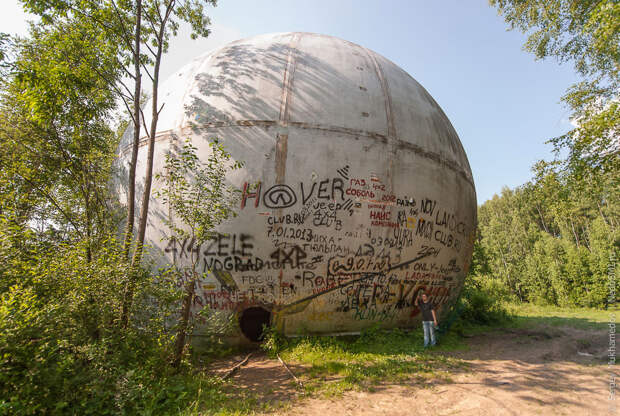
(287, 82)
(391, 127)
(436, 157)
(285, 104)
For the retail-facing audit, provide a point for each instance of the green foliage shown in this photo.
(134, 36)
(116, 19)
(61, 348)
(63, 276)
(5, 51)
(546, 244)
(273, 341)
(197, 192)
(199, 198)
(58, 147)
(563, 225)
(482, 298)
(482, 303)
(586, 33)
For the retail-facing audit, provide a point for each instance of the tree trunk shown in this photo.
(518, 289)
(131, 194)
(186, 307)
(542, 219)
(607, 223)
(586, 241)
(148, 179)
(574, 233)
(179, 343)
(89, 255)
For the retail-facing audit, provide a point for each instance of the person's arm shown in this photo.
(434, 316)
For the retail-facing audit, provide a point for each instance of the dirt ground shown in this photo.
(553, 371)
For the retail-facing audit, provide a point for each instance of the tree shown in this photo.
(575, 199)
(547, 241)
(163, 21)
(586, 33)
(199, 199)
(132, 28)
(62, 273)
(54, 129)
(141, 31)
(114, 22)
(5, 48)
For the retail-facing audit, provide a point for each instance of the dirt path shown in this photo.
(506, 373)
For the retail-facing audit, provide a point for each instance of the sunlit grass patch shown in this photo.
(337, 364)
(527, 314)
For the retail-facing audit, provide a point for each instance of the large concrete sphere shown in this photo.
(363, 194)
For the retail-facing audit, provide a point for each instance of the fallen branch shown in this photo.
(236, 367)
(291, 373)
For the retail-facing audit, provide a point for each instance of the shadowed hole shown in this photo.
(252, 321)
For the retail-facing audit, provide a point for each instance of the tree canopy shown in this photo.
(553, 239)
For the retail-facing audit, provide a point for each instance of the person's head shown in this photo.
(424, 297)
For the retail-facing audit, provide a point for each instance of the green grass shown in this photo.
(528, 315)
(337, 364)
(207, 395)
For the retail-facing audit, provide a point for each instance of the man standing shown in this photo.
(429, 319)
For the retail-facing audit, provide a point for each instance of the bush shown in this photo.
(62, 349)
(482, 301)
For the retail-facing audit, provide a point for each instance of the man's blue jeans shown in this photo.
(429, 332)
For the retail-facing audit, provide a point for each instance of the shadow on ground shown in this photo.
(531, 365)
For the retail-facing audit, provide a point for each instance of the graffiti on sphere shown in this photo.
(349, 242)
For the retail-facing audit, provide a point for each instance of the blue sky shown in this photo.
(503, 104)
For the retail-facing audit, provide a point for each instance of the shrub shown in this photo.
(482, 301)
(62, 349)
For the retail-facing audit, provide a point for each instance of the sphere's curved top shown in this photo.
(310, 81)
